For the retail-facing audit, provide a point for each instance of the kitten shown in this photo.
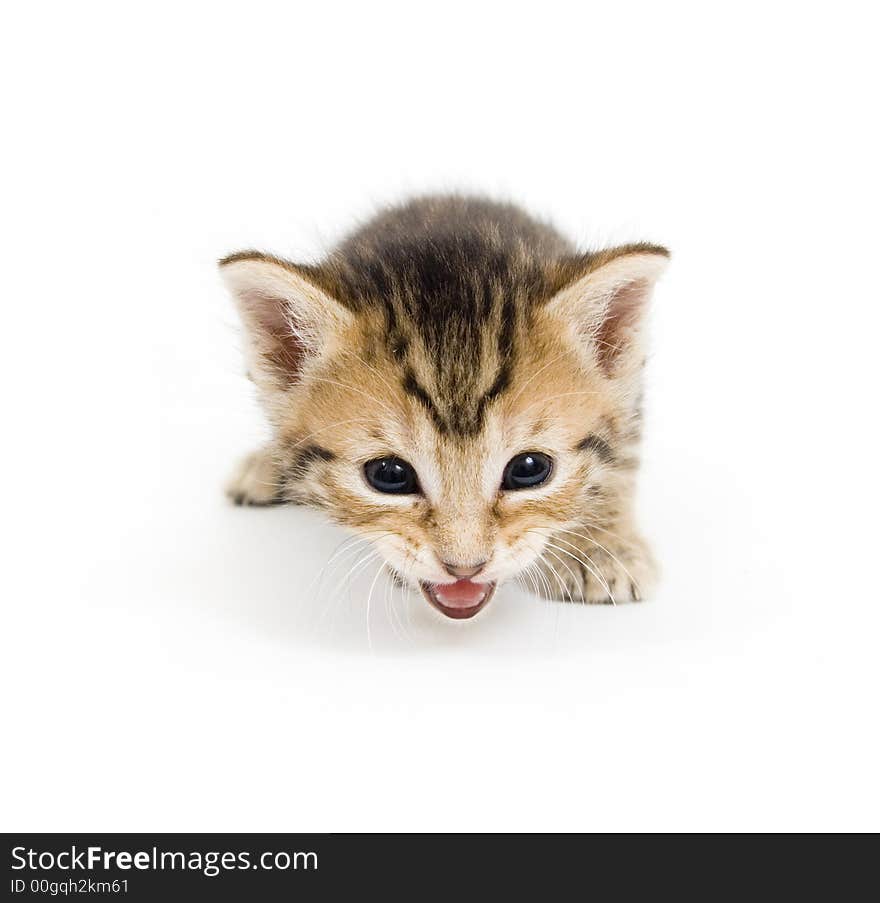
(460, 385)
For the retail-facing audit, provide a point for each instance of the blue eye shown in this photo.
(527, 470)
(391, 475)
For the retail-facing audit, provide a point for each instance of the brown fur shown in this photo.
(456, 333)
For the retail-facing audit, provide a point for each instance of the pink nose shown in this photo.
(464, 570)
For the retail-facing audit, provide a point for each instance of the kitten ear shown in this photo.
(287, 316)
(606, 302)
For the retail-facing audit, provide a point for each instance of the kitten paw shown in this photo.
(603, 571)
(256, 480)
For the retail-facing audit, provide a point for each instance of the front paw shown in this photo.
(256, 480)
(598, 567)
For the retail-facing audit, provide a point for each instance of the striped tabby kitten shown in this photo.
(460, 385)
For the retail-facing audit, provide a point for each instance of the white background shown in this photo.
(166, 665)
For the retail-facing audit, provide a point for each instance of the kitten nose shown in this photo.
(464, 571)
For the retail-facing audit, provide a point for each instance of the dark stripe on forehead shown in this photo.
(459, 408)
(455, 277)
(398, 345)
(598, 446)
(390, 315)
(412, 387)
(505, 333)
(305, 457)
(464, 419)
(502, 381)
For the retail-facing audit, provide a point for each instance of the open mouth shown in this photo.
(459, 600)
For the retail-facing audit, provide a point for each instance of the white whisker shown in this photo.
(565, 593)
(606, 551)
(579, 583)
(369, 598)
(590, 567)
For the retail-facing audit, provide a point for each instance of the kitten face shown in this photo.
(410, 417)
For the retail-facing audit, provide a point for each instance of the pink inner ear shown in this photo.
(622, 314)
(279, 346)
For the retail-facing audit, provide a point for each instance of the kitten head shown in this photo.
(457, 412)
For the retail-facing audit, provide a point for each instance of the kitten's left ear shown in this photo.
(606, 301)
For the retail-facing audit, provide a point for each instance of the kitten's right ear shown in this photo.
(287, 316)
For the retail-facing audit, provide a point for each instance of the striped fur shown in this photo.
(456, 332)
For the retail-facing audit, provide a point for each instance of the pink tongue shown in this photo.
(461, 594)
